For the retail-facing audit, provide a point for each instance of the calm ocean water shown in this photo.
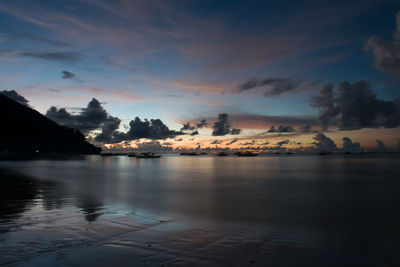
(278, 210)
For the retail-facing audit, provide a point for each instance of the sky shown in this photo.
(256, 75)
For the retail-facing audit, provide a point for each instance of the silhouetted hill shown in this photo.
(24, 130)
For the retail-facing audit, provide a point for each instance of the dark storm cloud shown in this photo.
(281, 129)
(68, 75)
(92, 117)
(153, 129)
(194, 133)
(324, 143)
(275, 86)
(355, 106)
(386, 53)
(54, 56)
(15, 96)
(223, 127)
(108, 129)
(349, 146)
(325, 103)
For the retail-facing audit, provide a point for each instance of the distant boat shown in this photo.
(246, 154)
(323, 153)
(148, 156)
(289, 153)
(222, 154)
(132, 155)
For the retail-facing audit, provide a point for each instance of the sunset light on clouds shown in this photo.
(261, 76)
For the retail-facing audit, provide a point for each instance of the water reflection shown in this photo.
(17, 194)
(338, 204)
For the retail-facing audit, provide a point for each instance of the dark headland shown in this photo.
(27, 133)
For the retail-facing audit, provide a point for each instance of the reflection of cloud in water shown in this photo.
(91, 207)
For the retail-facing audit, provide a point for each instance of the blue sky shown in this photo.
(183, 61)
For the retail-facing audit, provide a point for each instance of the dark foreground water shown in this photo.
(201, 211)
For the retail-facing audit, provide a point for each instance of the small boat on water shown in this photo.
(246, 154)
(132, 155)
(148, 155)
(222, 154)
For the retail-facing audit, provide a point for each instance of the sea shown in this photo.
(270, 210)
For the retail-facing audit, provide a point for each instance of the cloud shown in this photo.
(173, 96)
(223, 127)
(232, 142)
(283, 142)
(202, 123)
(349, 146)
(54, 56)
(194, 133)
(380, 146)
(108, 129)
(68, 75)
(355, 106)
(150, 129)
(386, 53)
(256, 121)
(153, 146)
(324, 143)
(235, 131)
(248, 143)
(275, 86)
(187, 127)
(90, 118)
(305, 128)
(325, 103)
(216, 142)
(15, 96)
(21, 36)
(281, 129)
(55, 90)
(197, 125)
